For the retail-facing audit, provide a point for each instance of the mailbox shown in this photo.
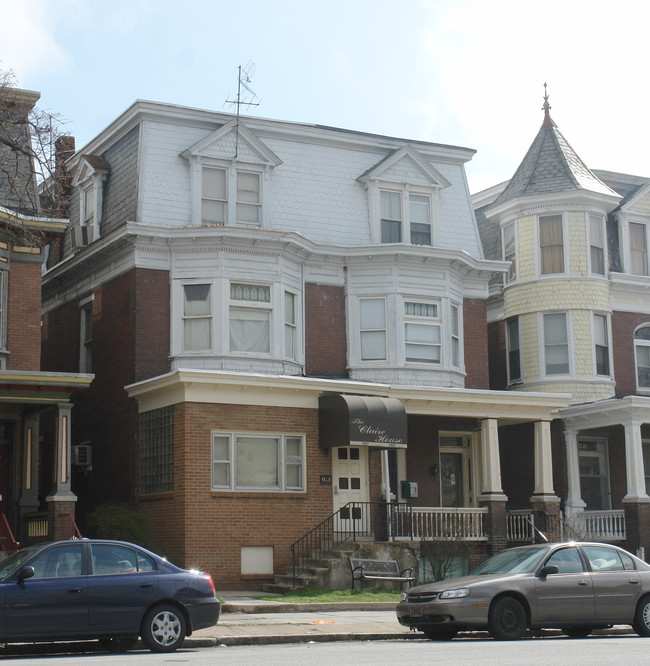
(409, 489)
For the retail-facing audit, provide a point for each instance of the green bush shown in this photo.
(114, 520)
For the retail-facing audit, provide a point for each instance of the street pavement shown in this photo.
(247, 620)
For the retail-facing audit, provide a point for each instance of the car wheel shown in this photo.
(577, 632)
(163, 628)
(641, 622)
(119, 643)
(446, 635)
(507, 619)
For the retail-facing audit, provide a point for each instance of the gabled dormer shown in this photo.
(633, 218)
(404, 198)
(230, 173)
(88, 183)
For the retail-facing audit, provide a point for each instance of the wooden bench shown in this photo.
(365, 569)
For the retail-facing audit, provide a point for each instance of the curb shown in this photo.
(280, 607)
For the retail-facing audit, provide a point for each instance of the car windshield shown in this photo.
(512, 561)
(10, 563)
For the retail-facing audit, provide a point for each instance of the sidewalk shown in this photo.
(246, 620)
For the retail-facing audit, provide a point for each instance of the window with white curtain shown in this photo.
(214, 195)
(556, 344)
(231, 196)
(257, 462)
(422, 332)
(551, 245)
(391, 216)
(420, 219)
(248, 198)
(638, 249)
(250, 318)
(197, 318)
(372, 323)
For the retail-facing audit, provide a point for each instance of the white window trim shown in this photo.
(644, 390)
(231, 168)
(357, 328)
(282, 463)
(520, 379)
(608, 325)
(565, 247)
(598, 440)
(460, 335)
(515, 230)
(589, 244)
(626, 250)
(542, 345)
(220, 304)
(374, 201)
(430, 321)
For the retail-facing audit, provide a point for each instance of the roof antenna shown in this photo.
(248, 98)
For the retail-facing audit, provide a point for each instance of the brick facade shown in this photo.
(476, 343)
(325, 331)
(24, 322)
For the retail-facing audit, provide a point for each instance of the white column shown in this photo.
(634, 463)
(574, 500)
(491, 462)
(543, 461)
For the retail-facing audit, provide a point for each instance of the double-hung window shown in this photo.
(372, 325)
(250, 318)
(86, 346)
(197, 317)
(597, 244)
(510, 251)
(642, 354)
(416, 228)
(551, 244)
(638, 249)
(455, 336)
(248, 198)
(289, 325)
(422, 332)
(214, 196)
(258, 462)
(601, 345)
(514, 350)
(556, 344)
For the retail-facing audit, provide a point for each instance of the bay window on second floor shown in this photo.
(409, 331)
(220, 317)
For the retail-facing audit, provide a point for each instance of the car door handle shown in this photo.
(633, 581)
(146, 584)
(74, 589)
(582, 582)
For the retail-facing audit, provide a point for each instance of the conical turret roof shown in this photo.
(551, 166)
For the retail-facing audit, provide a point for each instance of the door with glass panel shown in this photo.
(350, 484)
(594, 474)
(456, 486)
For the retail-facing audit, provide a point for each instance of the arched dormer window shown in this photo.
(642, 356)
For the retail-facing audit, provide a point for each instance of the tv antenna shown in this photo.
(247, 98)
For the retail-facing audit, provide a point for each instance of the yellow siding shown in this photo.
(526, 247)
(565, 294)
(577, 244)
(642, 205)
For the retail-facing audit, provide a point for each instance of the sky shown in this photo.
(462, 72)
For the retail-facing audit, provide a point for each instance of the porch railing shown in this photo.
(596, 525)
(439, 523)
(8, 544)
(520, 526)
(38, 528)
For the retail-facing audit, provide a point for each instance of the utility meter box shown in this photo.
(409, 489)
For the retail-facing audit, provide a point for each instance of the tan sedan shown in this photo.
(576, 587)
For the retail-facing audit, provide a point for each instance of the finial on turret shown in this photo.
(548, 121)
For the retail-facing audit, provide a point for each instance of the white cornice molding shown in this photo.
(604, 413)
(207, 386)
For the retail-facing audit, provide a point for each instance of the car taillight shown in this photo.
(208, 577)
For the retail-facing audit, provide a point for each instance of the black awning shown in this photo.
(354, 420)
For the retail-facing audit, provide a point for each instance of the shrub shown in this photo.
(113, 520)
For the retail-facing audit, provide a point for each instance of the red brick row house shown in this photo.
(283, 319)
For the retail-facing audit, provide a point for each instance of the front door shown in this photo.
(350, 483)
(456, 486)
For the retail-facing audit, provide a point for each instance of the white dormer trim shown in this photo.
(89, 179)
(253, 156)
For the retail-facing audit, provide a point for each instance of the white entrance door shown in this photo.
(350, 481)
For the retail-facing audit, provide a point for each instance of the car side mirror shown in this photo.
(548, 569)
(24, 573)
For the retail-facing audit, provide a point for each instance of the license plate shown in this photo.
(416, 611)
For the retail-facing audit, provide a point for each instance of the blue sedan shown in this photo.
(110, 590)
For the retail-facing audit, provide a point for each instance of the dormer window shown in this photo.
(230, 186)
(89, 181)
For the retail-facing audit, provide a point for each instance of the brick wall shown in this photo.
(623, 325)
(497, 356)
(24, 317)
(476, 343)
(325, 331)
(208, 529)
